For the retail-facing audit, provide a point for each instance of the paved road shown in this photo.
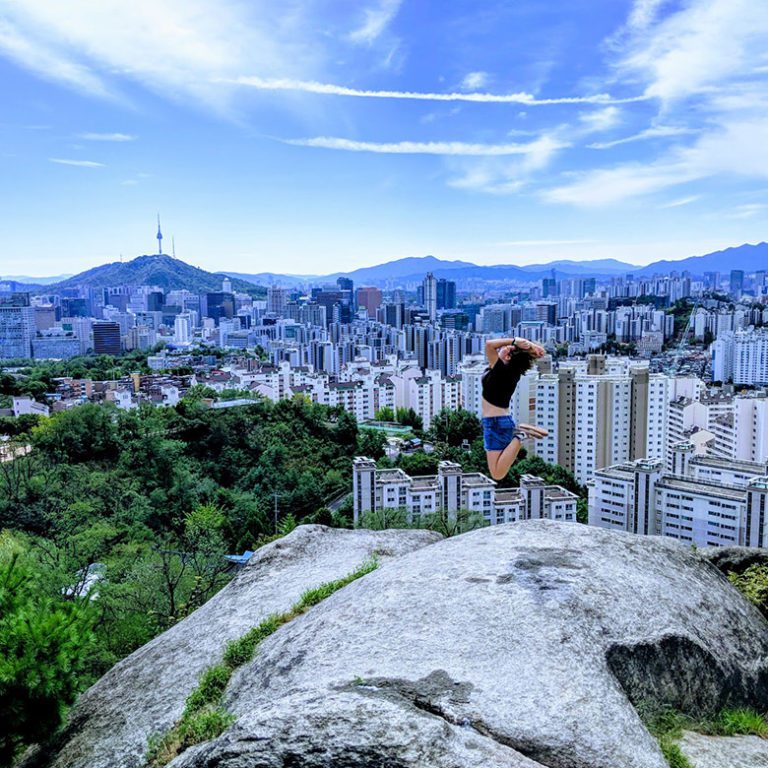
(336, 503)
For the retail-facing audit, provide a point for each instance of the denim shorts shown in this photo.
(497, 432)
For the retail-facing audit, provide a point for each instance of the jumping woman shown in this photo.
(508, 360)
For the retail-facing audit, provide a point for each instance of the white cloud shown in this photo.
(644, 13)
(331, 89)
(490, 180)
(681, 201)
(48, 62)
(604, 187)
(78, 163)
(535, 149)
(601, 119)
(174, 47)
(737, 149)
(654, 132)
(119, 137)
(748, 211)
(377, 19)
(500, 176)
(537, 243)
(702, 46)
(702, 63)
(474, 80)
(129, 183)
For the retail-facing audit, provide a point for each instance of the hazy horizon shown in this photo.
(347, 136)
(224, 268)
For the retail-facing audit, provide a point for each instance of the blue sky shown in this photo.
(307, 136)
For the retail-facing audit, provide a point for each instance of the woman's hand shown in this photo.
(534, 350)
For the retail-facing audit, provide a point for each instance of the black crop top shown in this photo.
(499, 383)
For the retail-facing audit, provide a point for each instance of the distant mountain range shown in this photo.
(747, 257)
(35, 280)
(171, 274)
(161, 270)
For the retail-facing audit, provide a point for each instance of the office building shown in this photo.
(446, 294)
(277, 298)
(55, 344)
(219, 306)
(182, 328)
(369, 299)
(106, 338)
(17, 326)
(338, 304)
(737, 282)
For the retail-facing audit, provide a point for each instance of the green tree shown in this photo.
(200, 392)
(371, 443)
(409, 418)
(385, 414)
(86, 433)
(44, 646)
(418, 463)
(453, 427)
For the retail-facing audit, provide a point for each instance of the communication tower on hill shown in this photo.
(159, 237)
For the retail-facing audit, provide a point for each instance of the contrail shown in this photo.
(330, 89)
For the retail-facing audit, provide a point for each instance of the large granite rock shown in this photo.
(145, 693)
(519, 645)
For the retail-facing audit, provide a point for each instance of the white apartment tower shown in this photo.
(600, 412)
(452, 490)
(430, 296)
(704, 501)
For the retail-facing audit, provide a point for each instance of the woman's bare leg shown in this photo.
(499, 462)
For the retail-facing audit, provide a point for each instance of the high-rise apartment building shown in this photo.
(703, 501)
(598, 415)
(182, 328)
(741, 357)
(451, 491)
(429, 287)
(17, 326)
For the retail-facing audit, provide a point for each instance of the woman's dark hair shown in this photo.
(520, 362)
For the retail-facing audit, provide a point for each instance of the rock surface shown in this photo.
(725, 752)
(735, 559)
(145, 693)
(519, 645)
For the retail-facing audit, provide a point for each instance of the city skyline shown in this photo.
(322, 139)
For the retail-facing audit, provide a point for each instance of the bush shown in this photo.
(753, 584)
